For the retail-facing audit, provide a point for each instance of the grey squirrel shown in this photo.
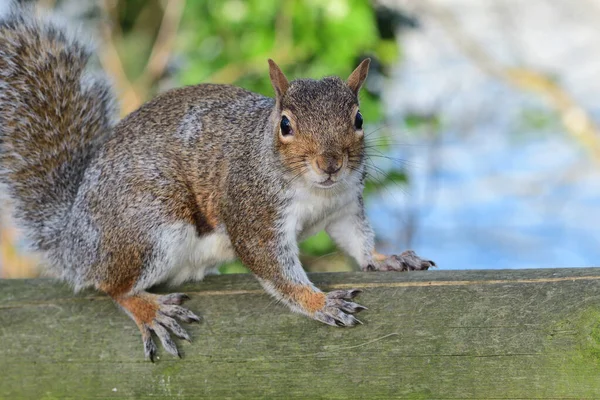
(197, 176)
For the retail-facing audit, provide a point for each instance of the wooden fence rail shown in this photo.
(435, 334)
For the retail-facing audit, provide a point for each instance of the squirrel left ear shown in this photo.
(358, 76)
(278, 80)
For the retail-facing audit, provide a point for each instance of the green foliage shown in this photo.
(429, 122)
(384, 179)
(537, 120)
(230, 41)
(318, 245)
(235, 267)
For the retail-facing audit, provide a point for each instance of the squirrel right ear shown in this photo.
(358, 76)
(278, 80)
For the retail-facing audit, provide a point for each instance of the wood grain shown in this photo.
(434, 334)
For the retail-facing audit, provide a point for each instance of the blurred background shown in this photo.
(482, 115)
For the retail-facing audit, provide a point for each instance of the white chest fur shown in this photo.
(310, 212)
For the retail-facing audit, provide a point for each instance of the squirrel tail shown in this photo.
(54, 115)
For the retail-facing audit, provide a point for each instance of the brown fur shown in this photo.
(378, 256)
(306, 296)
(143, 308)
(358, 76)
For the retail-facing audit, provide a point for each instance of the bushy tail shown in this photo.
(53, 117)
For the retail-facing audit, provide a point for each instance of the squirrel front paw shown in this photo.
(407, 261)
(337, 311)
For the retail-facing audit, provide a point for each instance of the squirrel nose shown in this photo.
(329, 165)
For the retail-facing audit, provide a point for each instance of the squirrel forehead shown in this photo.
(328, 97)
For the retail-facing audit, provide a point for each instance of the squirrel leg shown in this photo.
(158, 314)
(278, 269)
(352, 232)
(266, 243)
(333, 308)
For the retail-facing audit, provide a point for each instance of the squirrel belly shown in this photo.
(186, 256)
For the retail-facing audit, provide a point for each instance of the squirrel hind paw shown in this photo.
(338, 311)
(158, 314)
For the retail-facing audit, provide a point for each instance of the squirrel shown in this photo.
(198, 176)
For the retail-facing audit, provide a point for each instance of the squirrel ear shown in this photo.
(358, 76)
(278, 80)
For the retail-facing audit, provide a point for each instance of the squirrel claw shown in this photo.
(165, 338)
(336, 317)
(173, 299)
(149, 345)
(407, 261)
(164, 324)
(337, 311)
(344, 294)
(347, 306)
(181, 313)
(170, 324)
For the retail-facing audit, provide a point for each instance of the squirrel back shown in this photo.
(47, 97)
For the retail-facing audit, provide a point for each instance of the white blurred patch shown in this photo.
(5, 6)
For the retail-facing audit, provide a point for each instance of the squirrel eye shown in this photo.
(358, 122)
(286, 126)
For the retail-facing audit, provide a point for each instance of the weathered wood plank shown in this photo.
(436, 334)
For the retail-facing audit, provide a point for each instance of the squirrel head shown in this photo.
(318, 127)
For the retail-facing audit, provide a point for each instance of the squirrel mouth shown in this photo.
(327, 183)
